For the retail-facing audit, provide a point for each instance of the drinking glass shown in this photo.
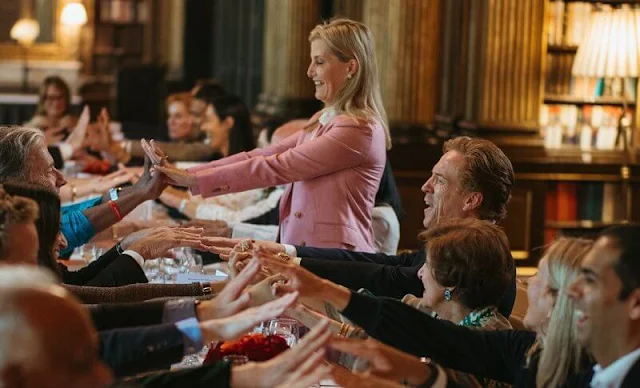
(286, 328)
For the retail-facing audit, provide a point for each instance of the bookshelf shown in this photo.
(579, 119)
(122, 35)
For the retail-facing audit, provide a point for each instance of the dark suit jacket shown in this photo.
(109, 270)
(141, 349)
(108, 316)
(383, 275)
(631, 380)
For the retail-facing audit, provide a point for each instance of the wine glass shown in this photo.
(286, 328)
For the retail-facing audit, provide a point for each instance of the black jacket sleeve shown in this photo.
(107, 316)
(393, 281)
(136, 350)
(109, 270)
(497, 355)
(58, 161)
(214, 375)
(405, 259)
(384, 280)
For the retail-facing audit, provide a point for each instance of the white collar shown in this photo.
(613, 375)
(327, 115)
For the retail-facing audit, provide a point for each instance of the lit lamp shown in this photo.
(612, 50)
(25, 31)
(73, 17)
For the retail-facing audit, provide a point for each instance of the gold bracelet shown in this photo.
(344, 329)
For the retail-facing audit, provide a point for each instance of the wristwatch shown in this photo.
(114, 193)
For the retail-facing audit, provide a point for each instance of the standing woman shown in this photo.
(333, 166)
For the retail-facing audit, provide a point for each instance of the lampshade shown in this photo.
(74, 14)
(25, 31)
(612, 45)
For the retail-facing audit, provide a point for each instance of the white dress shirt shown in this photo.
(613, 375)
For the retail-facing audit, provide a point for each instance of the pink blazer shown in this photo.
(333, 174)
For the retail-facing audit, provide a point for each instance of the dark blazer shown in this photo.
(631, 380)
(141, 349)
(383, 275)
(108, 316)
(109, 270)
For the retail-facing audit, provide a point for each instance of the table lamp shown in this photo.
(25, 31)
(612, 50)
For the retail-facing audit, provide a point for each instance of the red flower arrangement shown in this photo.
(256, 347)
(97, 167)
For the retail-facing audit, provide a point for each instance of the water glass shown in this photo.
(286, 328)
(151, 269)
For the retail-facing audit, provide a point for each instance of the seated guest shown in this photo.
(119, 266)
(186, 115)
(53, 114)
(473, 179)
(466, 252)
(24, 157)
(49, 341)
(606, 295)
(545, 356)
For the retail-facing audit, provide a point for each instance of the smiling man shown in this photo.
(607, 297)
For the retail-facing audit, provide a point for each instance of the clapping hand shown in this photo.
(77, 137)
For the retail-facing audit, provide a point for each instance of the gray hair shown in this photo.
(19, 343)
(16, 144)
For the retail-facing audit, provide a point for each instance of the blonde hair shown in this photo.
(560, 352)
(360, 96)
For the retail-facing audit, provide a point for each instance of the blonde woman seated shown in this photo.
(466, 272)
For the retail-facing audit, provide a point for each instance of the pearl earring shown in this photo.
(349, 76)
(447, 294)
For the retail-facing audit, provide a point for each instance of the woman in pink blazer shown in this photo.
(333, 166)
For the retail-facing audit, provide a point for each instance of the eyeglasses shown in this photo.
(54, 97)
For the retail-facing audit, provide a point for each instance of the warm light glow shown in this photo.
(74, 14)
(25, 31)
(612, 45)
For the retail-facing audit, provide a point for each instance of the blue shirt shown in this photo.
(75, 226)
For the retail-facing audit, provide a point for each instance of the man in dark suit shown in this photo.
(472, 179)
(607, 299)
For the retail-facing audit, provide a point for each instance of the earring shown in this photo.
(447, 294)
(349, 76)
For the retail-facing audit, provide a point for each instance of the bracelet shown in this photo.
(115, 209)
(206, 290)
(119, 248)
(183, 205)
(344, 329)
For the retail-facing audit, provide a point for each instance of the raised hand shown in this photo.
(176, 176)
(77, 137)
(232, 298)
(230, 328)
(385, 361)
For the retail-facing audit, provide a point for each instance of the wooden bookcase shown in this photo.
(579, 119)
(123, 33)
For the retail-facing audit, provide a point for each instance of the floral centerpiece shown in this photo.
(256, 347)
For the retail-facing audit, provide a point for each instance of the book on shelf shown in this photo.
(584, 201)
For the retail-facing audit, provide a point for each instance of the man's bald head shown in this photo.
(46, 337)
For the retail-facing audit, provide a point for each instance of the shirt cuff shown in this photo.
(66, 150)
(135, 256)
(191, 334)
(290, 250)
(297, 260)
(178, 310)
